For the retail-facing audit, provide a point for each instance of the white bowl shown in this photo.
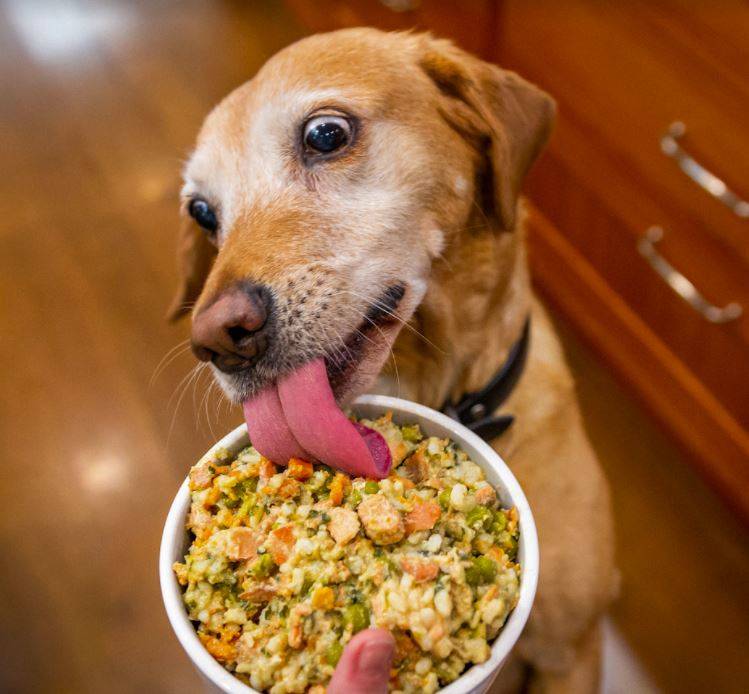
(175, 541)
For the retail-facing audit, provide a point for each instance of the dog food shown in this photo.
(286, 564)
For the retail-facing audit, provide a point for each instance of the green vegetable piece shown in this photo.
(411, 433)
(263, 565)
(355, 498)
(333, 654)
(481, 570)
(250, 484)
(247, 504)
(306, 585)
(512, 548)
(499, 523)
(444, 498)
(479, 516)
(371, 487)
(356, 616)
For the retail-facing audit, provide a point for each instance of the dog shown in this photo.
(358, 200)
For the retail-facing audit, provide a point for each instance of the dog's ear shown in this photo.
(195, 256)
(499, 111)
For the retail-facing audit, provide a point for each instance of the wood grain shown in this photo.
(621, 74)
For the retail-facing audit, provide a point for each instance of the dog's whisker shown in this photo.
(167, 359)
(184, 386)
(375, 303)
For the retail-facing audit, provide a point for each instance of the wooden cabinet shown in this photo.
(622, 74)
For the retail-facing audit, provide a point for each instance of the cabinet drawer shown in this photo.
(623, 73)
(717, 354)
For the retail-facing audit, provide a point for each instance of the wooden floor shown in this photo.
(99, 421)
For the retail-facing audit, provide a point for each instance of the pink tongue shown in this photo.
(309, 417)
(268, 430)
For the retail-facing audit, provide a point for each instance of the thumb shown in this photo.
(364, 667)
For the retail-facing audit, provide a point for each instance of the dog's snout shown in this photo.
(229, 331)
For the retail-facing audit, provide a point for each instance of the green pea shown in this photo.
(444, 498)
(411, 433)
(479, 516)
(333, 654)
(264, 565)
(356, 616)
(371, 487)
(499, 523)
(481, 570)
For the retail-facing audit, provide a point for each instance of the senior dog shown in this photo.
(355, 206)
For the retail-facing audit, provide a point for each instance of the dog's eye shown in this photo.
(326, 134)
(203, 214)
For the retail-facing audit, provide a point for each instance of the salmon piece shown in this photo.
(259, 592)
(280, 543)
(344, 525)
(337, 487)
(381, 520)
(423, 516)
(296, 625)
(241, 544)
(200, 477)
(300, 469)
(420, 569)
(486, 496)
(221, 651)
(417, 466)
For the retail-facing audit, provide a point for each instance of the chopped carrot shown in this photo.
(281, 542)
(337, 487)
(221, 651)
(212, 497)
(323, 598)
(300, 469)
(423, 516)
(267, 469)
(420, 569)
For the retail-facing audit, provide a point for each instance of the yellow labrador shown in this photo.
(355, 206)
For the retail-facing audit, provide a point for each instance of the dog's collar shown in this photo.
(476, 410)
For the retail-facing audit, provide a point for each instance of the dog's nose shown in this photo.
(228, 332)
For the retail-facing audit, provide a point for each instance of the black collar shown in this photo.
(476, 410)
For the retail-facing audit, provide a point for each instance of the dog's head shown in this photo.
(321, 191)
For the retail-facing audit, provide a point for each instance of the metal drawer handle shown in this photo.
(698, 173)
(680, 284)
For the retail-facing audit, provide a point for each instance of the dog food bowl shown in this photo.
(476, 679)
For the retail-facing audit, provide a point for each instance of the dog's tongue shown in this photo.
(301, 413)
(267, 427)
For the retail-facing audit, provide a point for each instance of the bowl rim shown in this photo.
(477, 675)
